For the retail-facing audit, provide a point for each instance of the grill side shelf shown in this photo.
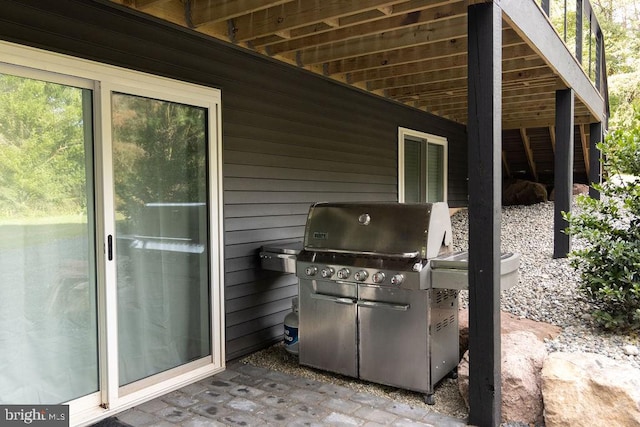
(451, 271)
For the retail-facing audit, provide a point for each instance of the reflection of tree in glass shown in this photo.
(42, 160)
(159, 153)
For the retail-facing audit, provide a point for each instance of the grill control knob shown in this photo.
(326, 272)
(361, 276)
(397, 279)
(343, 273)
(311, 270)
(378, 277)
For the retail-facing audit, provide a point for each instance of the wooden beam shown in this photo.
(529, 153)
(360, 19)
(447, 63)
(505, 164)
(144, 4)
(429, 32)
(434, 51)
(563, 174)
(540, 123)
(209, 11)
(420, 79)
(285, 34)
(431, 77)
(397, 71)
(387, 10)
(485, 187)
(585, 148)
(294, 14)
(552, 135)
(333, 23)
(357, 32)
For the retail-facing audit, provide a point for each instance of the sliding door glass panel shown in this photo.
(160, 175)
(48, 320)
(412, 171)
(435, 173)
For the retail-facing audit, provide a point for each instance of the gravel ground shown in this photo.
(547, 292)
(547, 289)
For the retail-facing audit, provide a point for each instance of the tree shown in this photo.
(620, 22)
(42, 148)
(159, 153)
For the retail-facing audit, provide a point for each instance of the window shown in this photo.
(422, 167)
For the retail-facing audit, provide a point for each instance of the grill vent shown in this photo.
(444, 294)
(449, 321)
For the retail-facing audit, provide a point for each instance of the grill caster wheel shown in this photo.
(453, 374)
(429, 399)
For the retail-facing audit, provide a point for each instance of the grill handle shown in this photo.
(365, 253)
(385, 305)
(331, 298)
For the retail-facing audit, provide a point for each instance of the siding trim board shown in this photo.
(313, 139)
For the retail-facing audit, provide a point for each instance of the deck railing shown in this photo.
(577, 24)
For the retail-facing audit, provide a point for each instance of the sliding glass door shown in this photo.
(48, 315)
(110, 234)
(160, 181)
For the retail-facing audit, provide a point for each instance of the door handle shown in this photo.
(331, 298)
(110, 247)
(385, 305)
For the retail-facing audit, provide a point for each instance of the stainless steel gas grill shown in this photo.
(370, 306)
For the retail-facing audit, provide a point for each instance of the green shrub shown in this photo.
(609, 263)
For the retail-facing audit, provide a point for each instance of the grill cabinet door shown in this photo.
(394, 337)
(327, 327)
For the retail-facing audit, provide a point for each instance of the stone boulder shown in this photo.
(586, 389)
(577, 189)
(508, 323)
(522, 192)
(523, 355)
(580, 189)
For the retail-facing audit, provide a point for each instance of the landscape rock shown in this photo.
(522, 192)
(587, 389)
(508, 323)
(630, 350)
(577, 189)
(522, 355)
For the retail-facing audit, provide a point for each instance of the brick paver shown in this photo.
(246, 395)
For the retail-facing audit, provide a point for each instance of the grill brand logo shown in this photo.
(34, 415)
(320, 235)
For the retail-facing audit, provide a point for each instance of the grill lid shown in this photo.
(405, 230)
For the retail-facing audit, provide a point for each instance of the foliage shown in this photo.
(45, 145)
(609, 265)
(42, 148)
(159, 153)
(620, 23)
